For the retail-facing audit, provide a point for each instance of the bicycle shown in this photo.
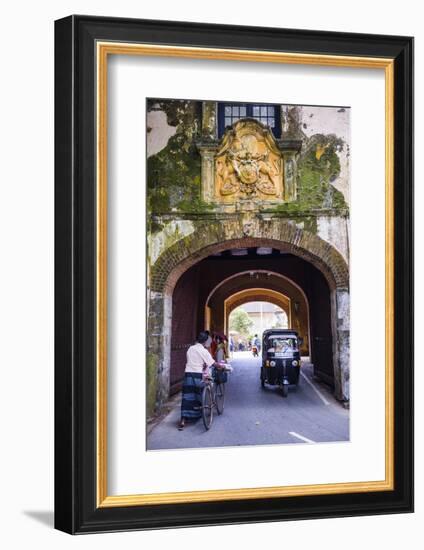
(213, 397)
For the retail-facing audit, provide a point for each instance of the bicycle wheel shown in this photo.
(219, 397)
(207, 406)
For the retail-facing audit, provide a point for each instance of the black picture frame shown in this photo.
(76, 509)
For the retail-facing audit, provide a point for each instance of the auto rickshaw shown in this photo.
(280, 358)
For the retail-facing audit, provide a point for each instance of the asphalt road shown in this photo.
(257, 416)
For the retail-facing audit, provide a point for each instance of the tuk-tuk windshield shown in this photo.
(279, 344)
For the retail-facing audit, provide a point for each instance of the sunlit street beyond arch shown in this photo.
(248, 321)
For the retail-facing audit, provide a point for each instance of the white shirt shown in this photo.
(197, 357)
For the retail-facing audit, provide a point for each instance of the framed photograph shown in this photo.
(233, 271)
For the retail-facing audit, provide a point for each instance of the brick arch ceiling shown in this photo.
(264, 278)
(213, 237)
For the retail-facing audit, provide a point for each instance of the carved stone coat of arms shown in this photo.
(248, 164)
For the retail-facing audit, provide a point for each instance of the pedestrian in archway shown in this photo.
(221, 353)
(257, 343)
(214, 345)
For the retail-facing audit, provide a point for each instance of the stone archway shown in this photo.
(271, 281)
(262, 295)
(212, 237)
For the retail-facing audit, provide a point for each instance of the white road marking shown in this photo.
(316, 390)
(301, 437)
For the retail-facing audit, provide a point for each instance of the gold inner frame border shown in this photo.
(103, 50)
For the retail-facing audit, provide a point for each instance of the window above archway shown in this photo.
(267, 114)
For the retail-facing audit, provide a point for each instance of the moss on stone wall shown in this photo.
(310, 224)
(173, 174)
(151, 368)
(317, 167)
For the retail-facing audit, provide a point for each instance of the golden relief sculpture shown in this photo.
(248, 163)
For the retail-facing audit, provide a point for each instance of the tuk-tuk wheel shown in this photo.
(285, 390)
(262, 382)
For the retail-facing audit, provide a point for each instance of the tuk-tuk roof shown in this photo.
(279, 332)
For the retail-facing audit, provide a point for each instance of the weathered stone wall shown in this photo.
(214, 235)
(174, 128)
(334, 121)
(174, 171)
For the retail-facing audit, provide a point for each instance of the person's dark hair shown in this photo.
(202, 337)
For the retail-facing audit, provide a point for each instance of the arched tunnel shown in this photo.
(206, 292)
